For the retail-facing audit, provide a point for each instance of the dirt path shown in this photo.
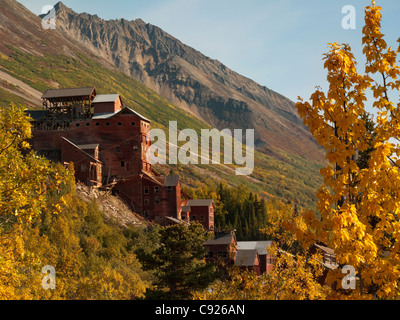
(24, 90)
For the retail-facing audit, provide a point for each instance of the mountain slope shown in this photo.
(203, 86)
(34, 60)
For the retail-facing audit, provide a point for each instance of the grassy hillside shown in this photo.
(6, 97)
(290, 178)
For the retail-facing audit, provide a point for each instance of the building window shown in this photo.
(146, 201)
(87, 124)
(122, 164)
(183, 217)
(83, 167)
(194, 218)
(77, 124)
(170, 189)
(201, 218)
(135, 148)
(97, 124)
(117, 149)
(146, 190)
(147, 214)
(107, 124)
(119, 124)
(156, 189)
(133, 124)
(156, 200)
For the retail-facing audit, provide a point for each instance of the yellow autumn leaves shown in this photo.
(359, 207)
(43, 222)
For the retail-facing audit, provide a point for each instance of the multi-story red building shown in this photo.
(249, 255)
(201, 211)
(222, 247)
(258, 251)
(107, 143)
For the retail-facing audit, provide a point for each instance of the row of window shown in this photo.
(156, 190)
(98, 124)
(147, 201)
(221, 254)
(118, 149)
(126, 165)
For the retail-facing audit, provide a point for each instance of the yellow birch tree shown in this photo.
(359, 207)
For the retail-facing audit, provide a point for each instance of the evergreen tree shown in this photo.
(179, 262)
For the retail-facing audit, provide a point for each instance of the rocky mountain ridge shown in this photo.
(33, 60)
(196, 83)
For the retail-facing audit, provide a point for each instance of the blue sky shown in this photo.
(277, 43)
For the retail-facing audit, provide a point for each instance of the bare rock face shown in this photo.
(192, 81)
(114, 209)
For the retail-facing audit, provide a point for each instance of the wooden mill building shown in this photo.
(107, 143)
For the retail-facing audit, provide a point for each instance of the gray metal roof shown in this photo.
(260, 246)
(68, 92)
(138, 114)
(106, 98)
(221, 239)
(200, 203)
(325, 249)
(177, 221)
(245, 258)
(171, 181)
(103, 116)
(83, 151)
(185, 209)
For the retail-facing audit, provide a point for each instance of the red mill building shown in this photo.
(107, 144)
